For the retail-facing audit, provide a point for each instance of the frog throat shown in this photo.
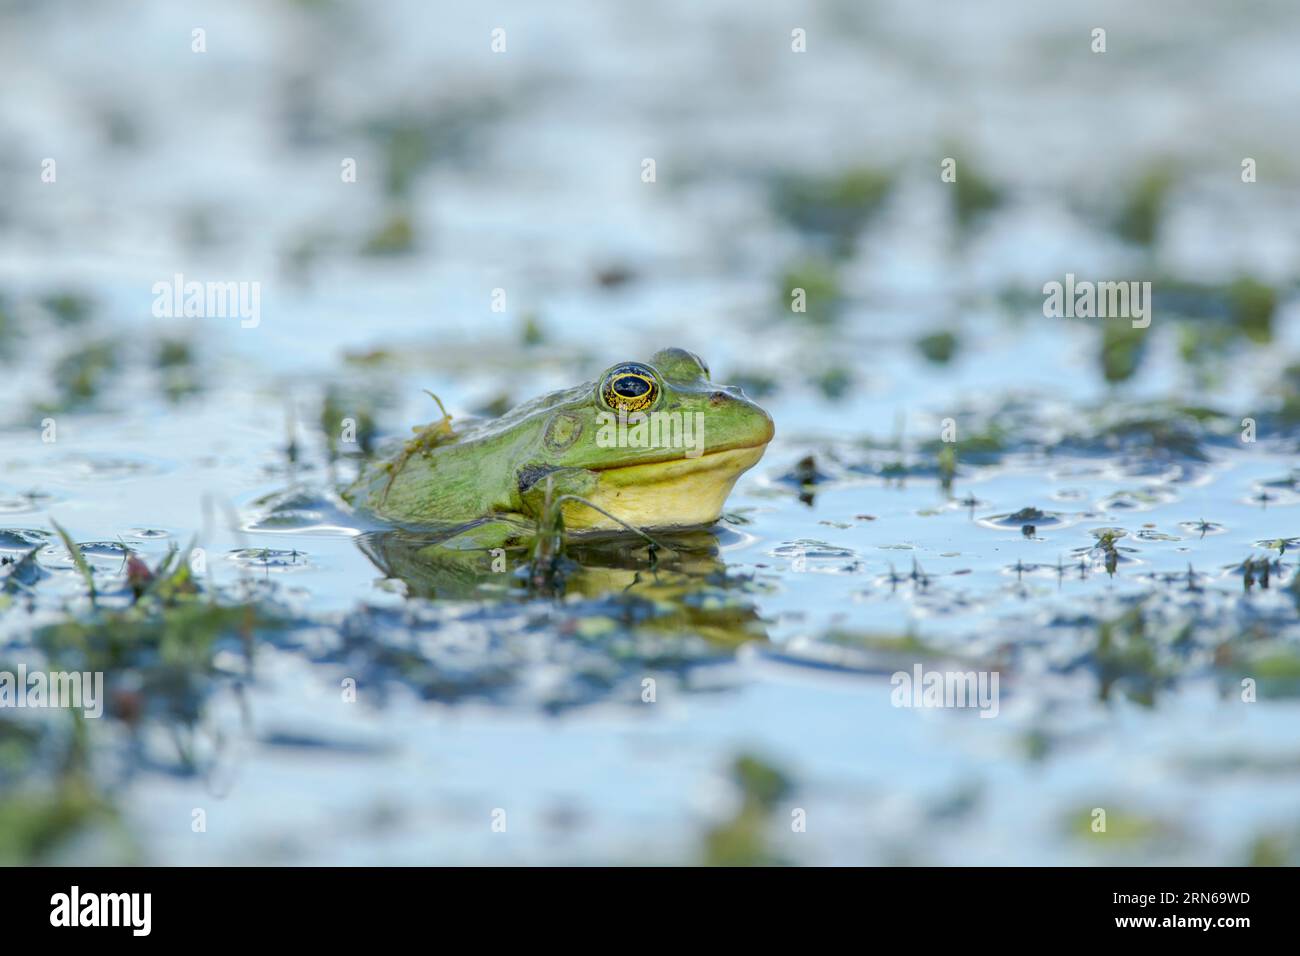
(681, 493)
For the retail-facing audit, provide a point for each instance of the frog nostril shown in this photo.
(717, 398)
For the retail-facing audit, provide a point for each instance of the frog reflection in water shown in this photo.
(463, 499)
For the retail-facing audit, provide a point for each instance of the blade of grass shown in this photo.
(78, 559)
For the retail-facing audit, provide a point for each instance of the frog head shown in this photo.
(657, 443)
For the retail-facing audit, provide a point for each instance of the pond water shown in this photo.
(1107, 534)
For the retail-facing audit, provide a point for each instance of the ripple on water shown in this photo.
(1275, 491)
(22, 539)
(1151, 534)
(98, 554)
(1023, 569)
(1280, 545)
(1035, 517)
(270, 559)
(1202, 528)
(1138, 499)
(18, 504)
(298, 510)
(809, 554)
(108, 467)
(1103, 557)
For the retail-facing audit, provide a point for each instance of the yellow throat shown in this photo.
(672, 494)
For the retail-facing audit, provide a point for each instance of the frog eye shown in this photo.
(631, 387)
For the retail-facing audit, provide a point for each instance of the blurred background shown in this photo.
(1100, 534)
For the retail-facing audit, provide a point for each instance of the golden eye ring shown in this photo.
(631, 387)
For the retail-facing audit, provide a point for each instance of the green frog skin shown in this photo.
(655, 444)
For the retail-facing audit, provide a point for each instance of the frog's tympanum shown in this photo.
(653, 444)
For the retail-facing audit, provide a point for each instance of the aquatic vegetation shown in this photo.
(938, 347)
(38, 824)
(395, 236)
(1153, 431)
(178, 367)
(1202, 527)
(427, 438)
(974, 195)
(1274, 848)
(9, 330)
(67, 307)
(832, 208)
(834, 382)
(1085, 542)
(1252, 306)
(347, 420)
(984, 442)
(1122, 350)
(161, 643)
(1029, 516)
(531, 330)
(413, 138)
(78, 561)
(1287, 391)
(817, 281)
(1257, 571)
(23, 573)
(742, 840)
(1144, 203)
(157, 651)
(1213, 320)
(1125, 658)
(1119, 828)
(81, 373)
(1280, 545)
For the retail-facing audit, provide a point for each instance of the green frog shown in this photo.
(650, 445)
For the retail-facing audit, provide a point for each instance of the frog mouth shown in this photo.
(682, 461)
(673, 493)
